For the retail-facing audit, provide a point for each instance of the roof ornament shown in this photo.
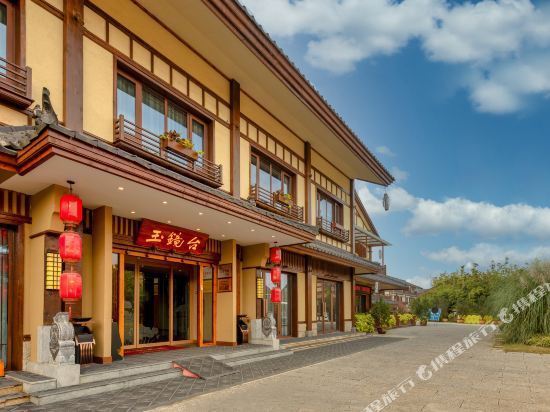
(45, 114)
(386, 201)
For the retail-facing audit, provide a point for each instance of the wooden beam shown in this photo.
(352, 272)
(309, 294)
(235, 151)
(352, 217)
(307, 165)
(73, 23)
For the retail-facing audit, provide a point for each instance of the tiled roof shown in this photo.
(340, 253)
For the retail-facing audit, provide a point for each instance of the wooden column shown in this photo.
(352, 217)
(307, 166)
(309, 294)
(73, 64)
(352, 273)
(234, 121)
(200, 295)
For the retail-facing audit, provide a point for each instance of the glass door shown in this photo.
(5, 251)
(282, 312)
(328, 306)
(154, 306)
(181, 308)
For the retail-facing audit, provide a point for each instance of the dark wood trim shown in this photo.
(235, 151)
(50, 8)
(45, 233)
(294, 305)
(16, 299)
(224, 343)
(105, 360)
(234, 16)
(254, 146)
(309, 293)
(10, 219)
(352, 296)
(307, 173)
(73, 63)
(352, 216)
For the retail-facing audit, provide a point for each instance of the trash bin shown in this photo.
(242, 329)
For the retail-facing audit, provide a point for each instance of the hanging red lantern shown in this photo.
(276, 295)
(70, 247)
(70, 209)
(275, 255)
(276, 274)
(70, 286)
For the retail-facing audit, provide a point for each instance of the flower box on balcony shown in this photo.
(177, 147)
(284, 198)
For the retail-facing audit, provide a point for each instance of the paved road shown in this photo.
(480, 379)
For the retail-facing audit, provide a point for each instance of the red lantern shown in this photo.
(275, 255)
(276, 295)
(70, 209)
(70, 247)
(70, 286)
(276, 274)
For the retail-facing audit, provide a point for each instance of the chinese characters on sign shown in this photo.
(225, 277)
(166, 237)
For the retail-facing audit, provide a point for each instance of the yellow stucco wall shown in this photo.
(347, 299)
(300, 191)
(248, 293)
(222, 152)
(87, 276)
(137, 21)
(98, 90)
(44, 54)
(314, 302)
(301, 293)
(227, 301)
(245, 168)
(329, 171)
(12, 117)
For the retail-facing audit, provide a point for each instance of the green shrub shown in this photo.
(452, 317)
(539, 340)
(473, 319)
(391, 322)
(516, 284)
(488, 319)
(380, 311)
(364, 322)
(405, 318)
(421, 307)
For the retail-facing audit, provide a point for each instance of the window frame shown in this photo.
(168, 99)
(284, 173)
(11, 30)
(337, 208)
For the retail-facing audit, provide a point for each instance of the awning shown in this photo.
(369, 238)
(385, 282)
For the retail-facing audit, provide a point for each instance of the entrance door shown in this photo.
(5, 267)
(156, 303)
(282, 312)
(328, 306)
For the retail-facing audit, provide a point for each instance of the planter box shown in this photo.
(175, 147)
(280, 197)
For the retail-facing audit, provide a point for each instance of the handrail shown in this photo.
(271, 200)
(331, 229)
(149, 144)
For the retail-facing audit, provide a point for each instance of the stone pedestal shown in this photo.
(56, 352)
(264, 332)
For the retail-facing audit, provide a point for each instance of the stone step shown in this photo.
(9, 386)
(313, 343)
(241, 353)
(111, 372)
(13, 399)
(243, 360)
(108, 385)
(32, 382)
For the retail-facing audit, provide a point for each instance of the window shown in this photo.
(145, 108)
(53, 270)
(329, 209)
(6, 31)
(268, 176)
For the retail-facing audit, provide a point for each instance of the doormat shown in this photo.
(139, 351)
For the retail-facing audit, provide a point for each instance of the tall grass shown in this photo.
(535, 320)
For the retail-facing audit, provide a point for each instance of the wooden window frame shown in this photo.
(284, 172)
(337, 218)
(191, 116)
(11, 46)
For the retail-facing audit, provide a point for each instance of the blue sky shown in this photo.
(453, 99)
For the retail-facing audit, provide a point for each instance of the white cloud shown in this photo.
(488, 36)
(422, 281)
(485, 253)
(460, 215)
(400, 175)
(385, 150)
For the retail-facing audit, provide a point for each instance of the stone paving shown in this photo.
(167, 392)
(481, 379)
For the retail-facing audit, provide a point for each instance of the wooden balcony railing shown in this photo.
(271, 201)
(15, 84)
(333, 230)
(148, 145)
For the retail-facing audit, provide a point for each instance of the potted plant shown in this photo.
(173, 141)
(285, 198)
(380, 311)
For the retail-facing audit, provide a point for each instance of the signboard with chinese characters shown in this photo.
(365, 289)
(225, 277)
(165, 237)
